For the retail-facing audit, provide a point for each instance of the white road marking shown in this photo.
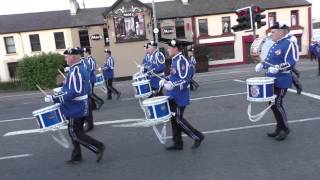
(315, 96)
(253, 126)
(15, 156)
(18, 95)
(217, 96)
(19, 119)
(32, 131)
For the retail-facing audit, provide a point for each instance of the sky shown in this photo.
(26, 6)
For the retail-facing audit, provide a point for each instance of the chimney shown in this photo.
(74, 6)
(185, 2)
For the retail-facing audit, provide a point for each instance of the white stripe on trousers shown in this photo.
(75, 138)
(194, 136)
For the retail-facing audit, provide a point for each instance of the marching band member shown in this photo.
(192, 69)
(74, 106)
(179, 97)
(157, 66)
(108, 74)
(145, 61)
(282, 57)
(92, 63)
(314, 50)
(295, 72)
(88, 125)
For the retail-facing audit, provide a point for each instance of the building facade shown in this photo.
(127, 25)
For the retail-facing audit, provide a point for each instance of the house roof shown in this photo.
(50, 20)
(171, 9)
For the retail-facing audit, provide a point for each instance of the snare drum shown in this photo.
(49, 117)
(142, 88)
(57, 90)
(99, 80)
(260, 89)
(157, 108)
(260, 48)
(139, 77)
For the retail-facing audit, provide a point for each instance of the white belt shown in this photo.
(81, 98)
(159, 74)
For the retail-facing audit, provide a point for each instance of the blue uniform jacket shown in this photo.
(192, 66)
(158, 66)
(179, 76)
(315, 50)
(74, 96)
(92, 68)
(108, 68)
(282, 53)
(145, 62)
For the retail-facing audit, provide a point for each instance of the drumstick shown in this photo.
(268, 63)
(61, 73)
(41, 90)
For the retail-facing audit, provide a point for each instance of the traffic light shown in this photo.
(244, 19)
(257, 16)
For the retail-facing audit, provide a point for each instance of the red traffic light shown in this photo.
(257, 9)
(244, 12)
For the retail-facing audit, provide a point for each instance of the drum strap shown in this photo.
(61, 139)
(257, 117)
(161, 136)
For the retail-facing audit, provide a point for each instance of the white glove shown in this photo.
(99, 69)
(168, 85)
(273, 70)
(141, 68)
(48, 98)
(258, 67)
(162, 82)
(66, 69)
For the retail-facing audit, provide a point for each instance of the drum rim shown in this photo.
(260, 80)
(155, 100)
(143, 82)
(46, 109)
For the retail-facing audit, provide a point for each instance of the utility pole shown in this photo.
(155, 30)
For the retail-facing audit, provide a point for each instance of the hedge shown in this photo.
(40, 69)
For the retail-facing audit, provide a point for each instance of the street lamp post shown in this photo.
(155, 30)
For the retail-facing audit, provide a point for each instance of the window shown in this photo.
(12, 69)
(106, 37)
(226, 25)
(84, 38)
(295, 18)
(180, 34)
(272, 18)
(203, 26)
(59, 39)
(218, 52)
(35, 42)
(10, 46)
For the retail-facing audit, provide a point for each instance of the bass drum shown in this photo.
(260, 48)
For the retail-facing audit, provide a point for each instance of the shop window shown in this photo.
(218, 52)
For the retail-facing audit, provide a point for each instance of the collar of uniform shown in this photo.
(284, 37)
(76, 64)
(176, 55)
(154, 52)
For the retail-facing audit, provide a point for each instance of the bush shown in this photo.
(40, 69)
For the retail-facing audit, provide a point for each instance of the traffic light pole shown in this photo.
(253, 24)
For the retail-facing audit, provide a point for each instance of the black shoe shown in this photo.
(197, 143)
(118, 95)
(88, 128)
(274, 134)
(282, 135)
(100, 153)
(74, 161)
(174, 148)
